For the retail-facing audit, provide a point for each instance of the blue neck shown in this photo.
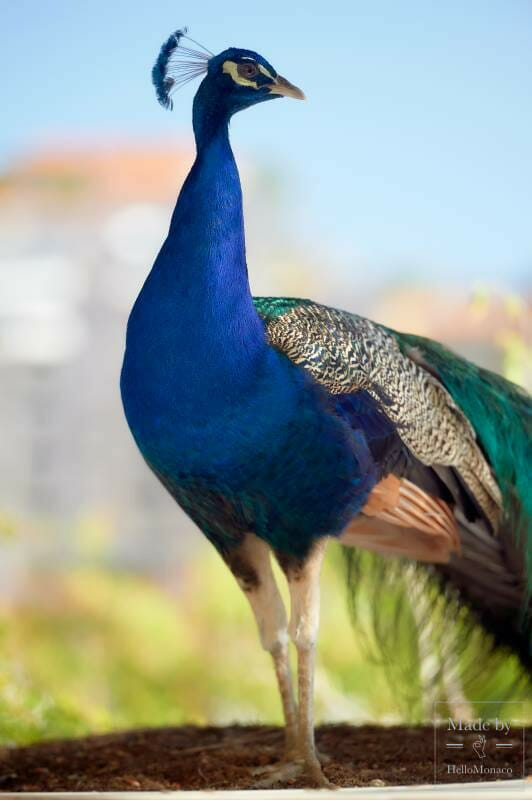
(196, 306)
(206, 245)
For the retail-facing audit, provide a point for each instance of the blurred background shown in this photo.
(400, 190)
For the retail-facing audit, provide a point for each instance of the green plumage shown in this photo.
(272, 307)
(501, 414)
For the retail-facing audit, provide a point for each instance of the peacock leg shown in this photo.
(304, 585)
(281, 663)
(251, 565)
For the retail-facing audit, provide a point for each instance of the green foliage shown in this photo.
(8, 526)
(99, 650)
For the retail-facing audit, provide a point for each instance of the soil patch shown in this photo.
(224, 757)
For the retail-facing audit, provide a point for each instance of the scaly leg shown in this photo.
(251, 565)
(304, 584)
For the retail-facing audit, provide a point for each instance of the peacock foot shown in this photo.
(292, 754)
(288, 771)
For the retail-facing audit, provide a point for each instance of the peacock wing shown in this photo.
(349, 354)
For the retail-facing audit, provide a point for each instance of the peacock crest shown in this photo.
(178, 64)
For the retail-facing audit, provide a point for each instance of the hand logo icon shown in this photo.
(479, 745)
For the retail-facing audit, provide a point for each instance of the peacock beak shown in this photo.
(287, 89)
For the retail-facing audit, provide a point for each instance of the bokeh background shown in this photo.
(401, 190)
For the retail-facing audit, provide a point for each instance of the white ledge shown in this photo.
(493, 790)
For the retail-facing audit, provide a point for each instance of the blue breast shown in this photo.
(255, 448)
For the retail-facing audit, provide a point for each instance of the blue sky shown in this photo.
(412, 155)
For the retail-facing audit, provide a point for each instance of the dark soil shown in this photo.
(223, 758)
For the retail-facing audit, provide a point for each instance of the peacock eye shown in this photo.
(247, 70)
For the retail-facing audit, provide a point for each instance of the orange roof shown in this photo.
(109, 175)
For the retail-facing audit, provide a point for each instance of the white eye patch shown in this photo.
(265, 72)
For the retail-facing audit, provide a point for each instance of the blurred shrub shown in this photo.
(104, 651)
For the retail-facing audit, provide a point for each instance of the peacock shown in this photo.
(278, 424)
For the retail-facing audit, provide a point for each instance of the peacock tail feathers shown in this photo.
(422, 635)
(501, 415)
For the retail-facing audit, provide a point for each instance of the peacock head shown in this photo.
(234, 79)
